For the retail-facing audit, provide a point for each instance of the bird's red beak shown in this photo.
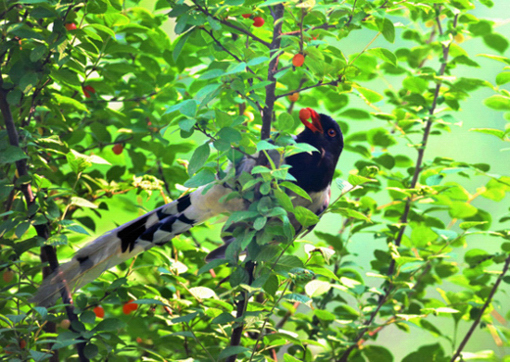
(316, 125)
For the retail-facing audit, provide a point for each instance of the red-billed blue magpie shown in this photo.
(313, 172)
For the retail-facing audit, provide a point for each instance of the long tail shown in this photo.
(154, 228)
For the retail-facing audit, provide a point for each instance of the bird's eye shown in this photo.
(331, 132)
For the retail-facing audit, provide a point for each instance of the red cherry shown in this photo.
(87, 90)
(258, 21)
(99, 311)
(71, 26)
(118, 148)
(305, 114)
(298, 60)
(129, 307)
(293, 97)
(246, 16)
(65, 324)
(8, 276)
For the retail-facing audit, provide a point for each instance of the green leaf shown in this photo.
(211, 265)
(461, 210)
(180, 44)
(109, 324)
(316, 288)
(284, 200)
(351, 213)
(202, 293)
(324, 315)
(385, 55)
(380, 137)
(470, 224)
(186, 318)
(355, 114)
(495, 132)
(503, 78)
(259, 223)
(288, 358)
(356, 180)
(77, 161)
(148, 301)
(496, 41)
(229, 134)
(288, 262)
(415, 84)
(11, 154)
(370, 95)
(377, 354)
(387, 29)
(421, 235)
(189, 108)
(427, 353)
(498, 58)
(91, 350)
(37, 53)
(203, 177)
(232, 350)
(199, 158)
(498, 102)
(237, 68)
(285, 121)
(295, 297)
(305, 217)
(257, 61)
(271, 285)
(66, 101)
(103, 28)
(78, 201)
(296, 189)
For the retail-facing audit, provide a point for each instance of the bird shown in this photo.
(312, 171)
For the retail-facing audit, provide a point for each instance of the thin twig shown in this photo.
(229, 52)
(485, 306)
(319, 84)
(421, 149)
(229, 24)
(352, 13)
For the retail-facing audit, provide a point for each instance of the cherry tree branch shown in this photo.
(228, 51)
(267, 112)
(48, 253)
(485, 306)
(426, 133)
(230, 25)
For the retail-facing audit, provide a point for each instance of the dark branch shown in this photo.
(267, 113)
(48, 253)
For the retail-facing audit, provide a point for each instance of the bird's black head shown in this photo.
(314, 172)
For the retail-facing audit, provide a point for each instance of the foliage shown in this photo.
(108, 111)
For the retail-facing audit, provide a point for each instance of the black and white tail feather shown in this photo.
(313, 173)
(155, 228)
